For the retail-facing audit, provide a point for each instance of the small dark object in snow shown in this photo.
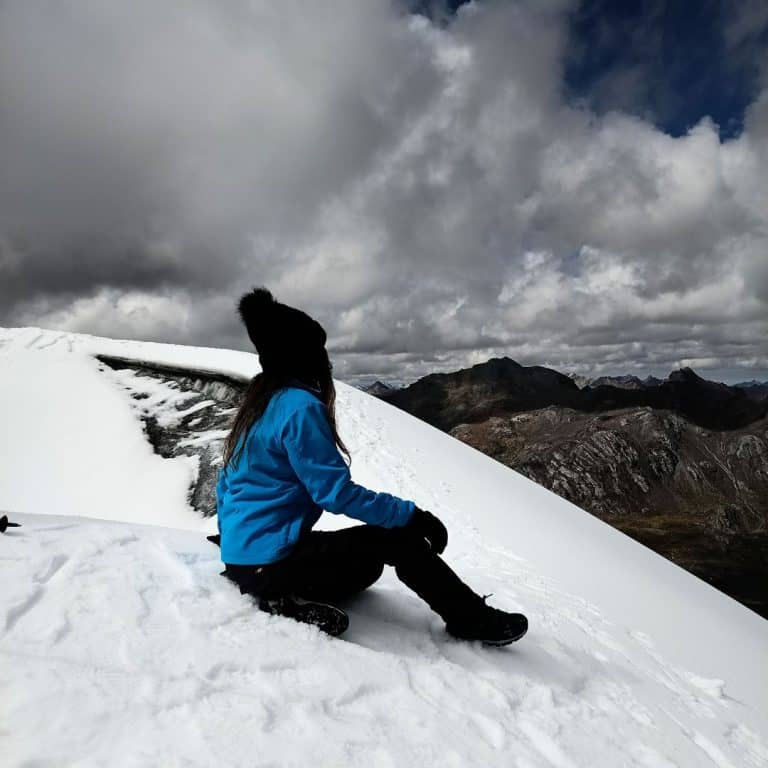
(214, 539)
(4, 524)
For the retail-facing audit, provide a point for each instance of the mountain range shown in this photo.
(501, 386)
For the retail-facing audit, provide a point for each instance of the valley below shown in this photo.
(697, 497)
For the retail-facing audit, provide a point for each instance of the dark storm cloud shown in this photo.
(160, 141)
(426, 190)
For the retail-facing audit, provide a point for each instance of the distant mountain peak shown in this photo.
(378, 388)
(684, 374)
(502, 363)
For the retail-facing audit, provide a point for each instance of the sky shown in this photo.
(582, 185)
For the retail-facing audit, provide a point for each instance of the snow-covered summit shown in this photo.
(121, 645)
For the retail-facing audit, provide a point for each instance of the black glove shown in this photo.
(426, 525)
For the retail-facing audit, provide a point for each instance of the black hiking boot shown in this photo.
(490, 626)
(328, 618)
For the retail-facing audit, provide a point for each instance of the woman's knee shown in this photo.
(389, 546)
(404, 545)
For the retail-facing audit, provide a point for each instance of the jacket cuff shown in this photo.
(410, 508)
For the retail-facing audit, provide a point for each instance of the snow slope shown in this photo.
(121, 645)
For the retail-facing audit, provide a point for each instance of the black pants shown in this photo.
(331, 565)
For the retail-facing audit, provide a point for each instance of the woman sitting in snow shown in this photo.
(282, 468)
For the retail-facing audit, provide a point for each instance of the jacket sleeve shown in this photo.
(320, 467)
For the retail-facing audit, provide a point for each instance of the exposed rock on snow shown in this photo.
(185, 413)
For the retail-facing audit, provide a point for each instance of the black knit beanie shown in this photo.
(285, 338)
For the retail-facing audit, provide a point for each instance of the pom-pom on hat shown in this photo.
(284, 337)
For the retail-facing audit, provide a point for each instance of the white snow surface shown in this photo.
(120, 643)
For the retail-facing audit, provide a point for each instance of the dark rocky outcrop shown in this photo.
(198, 433)
(498, 387)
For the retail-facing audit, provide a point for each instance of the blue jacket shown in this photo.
(290, 471)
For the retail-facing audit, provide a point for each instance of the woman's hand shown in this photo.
(426, 525)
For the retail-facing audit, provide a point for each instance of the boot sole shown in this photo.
(495, 642)
(327, 618)
(505, 641)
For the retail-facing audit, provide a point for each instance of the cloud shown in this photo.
(746, 36)
(426, 191)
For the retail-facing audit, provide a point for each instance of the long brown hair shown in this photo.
(314, 370)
